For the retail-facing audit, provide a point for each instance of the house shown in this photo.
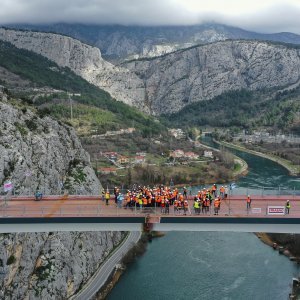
(139, 159)
(208, 154)
(191, 155)
(106, 171)
(177, 133)
(111, 155)
(123, 159)
(177, 153)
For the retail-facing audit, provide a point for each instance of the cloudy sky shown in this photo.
(258, 15)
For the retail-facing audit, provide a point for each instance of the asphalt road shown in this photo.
(101, 276)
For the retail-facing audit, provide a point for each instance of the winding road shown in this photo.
(103, 273)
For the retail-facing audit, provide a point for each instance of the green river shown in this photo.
(216, 265)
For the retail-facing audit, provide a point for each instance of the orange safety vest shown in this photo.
(248, 199)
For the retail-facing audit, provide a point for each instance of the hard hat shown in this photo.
(287, 200)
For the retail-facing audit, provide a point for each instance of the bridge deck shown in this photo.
(92, 206)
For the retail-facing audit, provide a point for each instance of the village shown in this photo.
(116, 161)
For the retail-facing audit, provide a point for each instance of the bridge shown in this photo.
(89, 213)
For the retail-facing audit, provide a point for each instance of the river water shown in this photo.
(215, 265)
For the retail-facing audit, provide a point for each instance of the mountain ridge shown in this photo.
(170, 82)
(119, 41)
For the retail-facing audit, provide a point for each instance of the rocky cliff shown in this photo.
(40, 153)
(168, 83)
(51, 265)
(84, 60)
(203, 72)
(46, 265)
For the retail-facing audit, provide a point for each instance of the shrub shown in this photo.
(11, 260)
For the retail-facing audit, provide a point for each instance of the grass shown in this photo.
(86, 119)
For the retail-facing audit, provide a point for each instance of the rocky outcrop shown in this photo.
(84, 60)
(203, 72)
(51, 265)
(40, 153)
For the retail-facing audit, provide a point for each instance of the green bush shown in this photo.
(11, 260)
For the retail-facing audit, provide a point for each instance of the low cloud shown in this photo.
(270, 16)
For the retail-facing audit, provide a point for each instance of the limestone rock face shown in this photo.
(167, 83)
(203, 72)
(84, 60)
(51, 265)
(40, 153)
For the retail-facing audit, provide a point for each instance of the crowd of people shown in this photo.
(164, 197)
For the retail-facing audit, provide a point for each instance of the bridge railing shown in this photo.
(265, 191)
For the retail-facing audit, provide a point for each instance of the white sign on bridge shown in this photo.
(276, 210)
(256, 210)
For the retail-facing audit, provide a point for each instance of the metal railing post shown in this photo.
(229, 208)
(294, 195)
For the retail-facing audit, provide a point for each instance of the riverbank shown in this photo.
(136, 251)
(293, 170)
(100, 280)
(242, 170)
(284, 249)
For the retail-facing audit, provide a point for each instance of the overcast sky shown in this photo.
(257, 15)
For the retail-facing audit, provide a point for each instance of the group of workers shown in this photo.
(163, 197)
